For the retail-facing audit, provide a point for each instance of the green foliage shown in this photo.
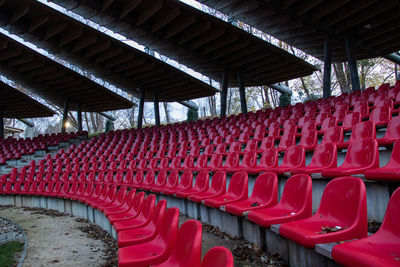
(284, 100)
(109, 125)
(7, 252)
(192, 115)
(312, 97)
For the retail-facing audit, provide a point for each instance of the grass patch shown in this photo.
(7, 252)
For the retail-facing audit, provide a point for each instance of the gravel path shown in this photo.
(56, 240)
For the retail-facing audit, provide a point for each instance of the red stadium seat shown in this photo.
(392, 132)
(218, 187)
(294, 158)
(218, 256)
(185, 183)
(361, 155)
(295, 203)
(148, 180)
(389, 172)
(343, 207)
(160, 182)
(237, 190)
(264, 194)
(172, 182)
(324, 157)
(350, 120)
(155, 251)
(201, 185)
(333, 135)
(187, 250)
(309, 139)
(360, 131)
(381, 249)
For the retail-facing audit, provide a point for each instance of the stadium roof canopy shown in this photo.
(372, 24)
(15, 104)
(53, 81)
(194, 38)
(106, 57)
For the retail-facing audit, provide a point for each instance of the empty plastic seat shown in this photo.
(237, 191)
(309, 139)
(187, 250)
(295, 203)
(160, 181)
(362, 107)
(145, 233)
(287, 140)
(381, 115)
(217, 187)
(155, 251)
(218, 256)
(343, 209)
(266, 143)
(201, 185)
(350, 120)
(324, 157)
(264, 194)
(361, 155)
(381, 249)
(389, 172)
(333, 135)
(148, 180)
(185, 183)
(294, 158)
(360, 131)
(392, 132)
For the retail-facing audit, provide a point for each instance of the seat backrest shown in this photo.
(363, 108)
(325, 155)
(202, 181)
(220, 148)
(344, 200)
(308, 137)
(238, 185)
(188, 162)
(161, 178)
(351, 119)
(121, 194)
(173, 179)
(393, 128)
(159, 212)
(294, 157)
(149, 178)
(362, 153)
(218, 256)
(269, 158)
(297, 193)
(138, 177)
(287, 140)
(186, 179)
(176, 162)
(187, 251)
(274, 130)
(333, 135)
(232, 160)
(235, 147)
(267, 143)
(363, 130)
(215, 161)
(169, 227)
(129, 177)
(381, 115)
(391, 221)
(266, 187)
(249, 159)
(218, 182)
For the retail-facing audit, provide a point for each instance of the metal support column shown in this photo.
(327, 67)
(1, 124)
(355, 81)
(79, 116)
(224, 92)
(141, 107)
(242, 91)
(156, 107)
(65, 116)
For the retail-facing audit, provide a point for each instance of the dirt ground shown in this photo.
(56, 240)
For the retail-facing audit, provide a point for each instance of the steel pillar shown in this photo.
(79, 116)
(141, 108)
(355, 81)
(1, 124)
(224, 92)
(156, 107)
(327, 67)
(242, 91)
(65, 116)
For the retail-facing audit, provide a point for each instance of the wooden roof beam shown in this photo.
(147, 67)
(10, 53)
(41, 71)
(19, 13)
(306, 6)
(325, 8)
(128, 7)
(37, 22)
(54, 29)
(149, 12)
(97, 47)
(193, 31)
(50, 76)
(230, 49)
(72, 84)
(207, 37)
(164, 20)
(106, 4)
(20, 60)
(129, 65)
(180, 25)
(63, 80)
(3, 44)
(119, 60)
(109, 53)
(70, 35)
(31, 66)
(85, 41)
(219, 43)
